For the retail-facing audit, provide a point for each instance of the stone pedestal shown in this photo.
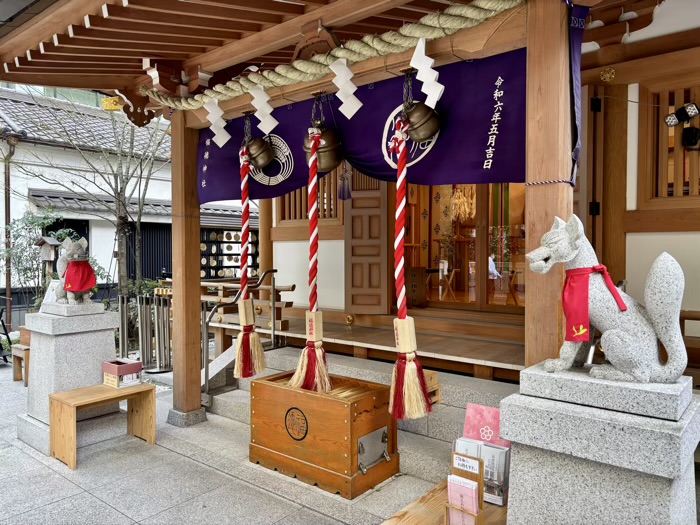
(582, 453)
(69, 345)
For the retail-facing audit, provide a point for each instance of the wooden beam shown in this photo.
(146, 49)
(82, 81)
(134, 65)
(667, 71)
(187, 361)
(185, 21)
(44, 25)
(255, 6)
(73, 52)
(115, 25)
(548, 158)
(662, 221)
(500, 34)
(115, 38)
(211, 12)
(337, 14)
(615, 54)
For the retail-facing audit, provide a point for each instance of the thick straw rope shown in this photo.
(430, 27)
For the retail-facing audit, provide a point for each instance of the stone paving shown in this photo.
(197, 475)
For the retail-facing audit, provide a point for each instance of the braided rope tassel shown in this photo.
(409, 393)
(250, 355)
(312, 370)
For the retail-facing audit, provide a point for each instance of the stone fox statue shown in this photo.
(76, 274)
(630, 331)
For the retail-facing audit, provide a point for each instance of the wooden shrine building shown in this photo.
(183, 47)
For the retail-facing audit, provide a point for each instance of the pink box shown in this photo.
(484, 424)
(122, 367)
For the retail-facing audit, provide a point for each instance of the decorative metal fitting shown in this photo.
(607, 74)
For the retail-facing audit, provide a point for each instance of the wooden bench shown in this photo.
(20, 355)
(64, 406)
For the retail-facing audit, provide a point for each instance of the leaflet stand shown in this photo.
(473, 469)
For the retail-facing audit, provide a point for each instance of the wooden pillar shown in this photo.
(186, 292)
(614, 180)
(265, 240)
(548, 157)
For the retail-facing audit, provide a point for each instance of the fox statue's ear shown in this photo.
(67, 243)
(83, 242)
(574, 228)
(558, 223)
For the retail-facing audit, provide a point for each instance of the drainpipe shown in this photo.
(12, 143)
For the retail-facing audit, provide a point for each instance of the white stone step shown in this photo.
(234, 404)
(424, 457)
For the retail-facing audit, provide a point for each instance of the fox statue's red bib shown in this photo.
(80, 277)
(575, 301)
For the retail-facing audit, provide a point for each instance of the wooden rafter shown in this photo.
(117, 26)
(214, 13)
(257, 6)
(111, 37)
(339, 13)
(182, 20)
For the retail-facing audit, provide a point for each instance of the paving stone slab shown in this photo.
(233, 502)
(83, 508)
(391, 497)
(658, 400)
(32, 489)
(150, 492)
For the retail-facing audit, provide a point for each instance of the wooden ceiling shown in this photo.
(102, 44)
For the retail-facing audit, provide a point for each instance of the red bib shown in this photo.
(575, 301)
(80, 277)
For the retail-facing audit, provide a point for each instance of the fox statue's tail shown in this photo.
(663, 295)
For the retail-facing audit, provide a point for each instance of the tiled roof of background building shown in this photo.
(50, 121)
(211, 215)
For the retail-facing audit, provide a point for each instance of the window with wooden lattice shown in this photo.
(669, 171)
(292, 209)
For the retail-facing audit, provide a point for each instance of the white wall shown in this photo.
(63, 164)
(291, 258)
(102, 246)
(643, 248)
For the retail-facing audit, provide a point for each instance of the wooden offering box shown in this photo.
(343, 441)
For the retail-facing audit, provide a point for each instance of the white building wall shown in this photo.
(291, 258)
(48, 160)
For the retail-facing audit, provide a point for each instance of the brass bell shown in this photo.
(260, 152)
(330, 153)
(423, 122)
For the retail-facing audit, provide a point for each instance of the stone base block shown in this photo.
(652, 446)
(657, 400)
(186, 419)
(549, 488)
(69, 310)
(35, 433)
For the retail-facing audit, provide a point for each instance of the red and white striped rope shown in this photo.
(313, 220)
(245, 220)
(398, 145)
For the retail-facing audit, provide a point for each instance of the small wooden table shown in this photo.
(429, 509)
(64, 406)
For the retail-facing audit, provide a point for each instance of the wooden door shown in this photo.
(366, 254)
